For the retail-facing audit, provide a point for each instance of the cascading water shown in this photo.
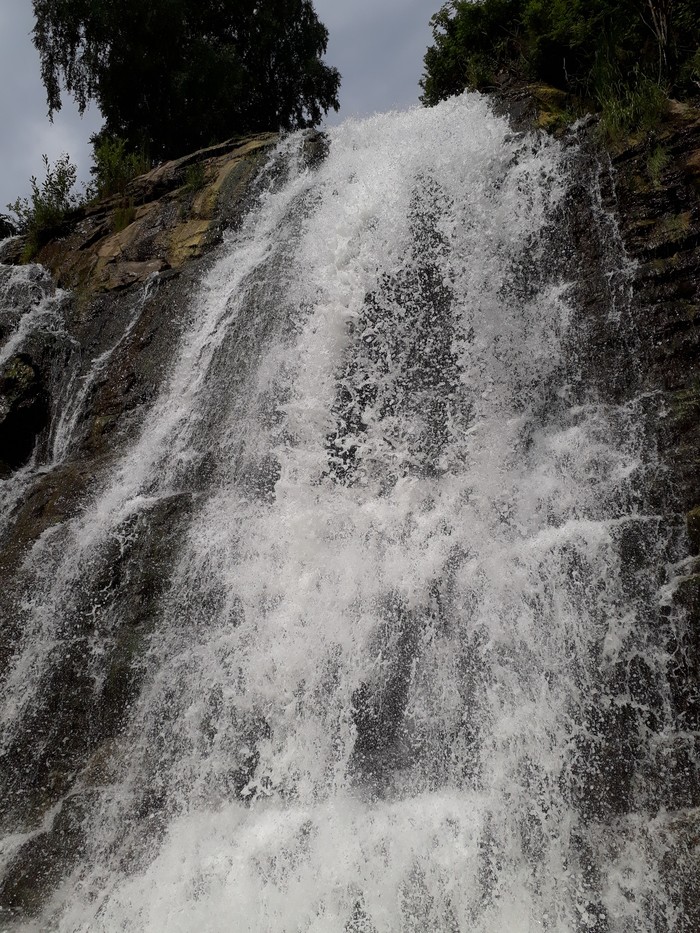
(396, 668)
(29, 304)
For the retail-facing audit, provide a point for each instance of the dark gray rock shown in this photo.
(7, 227)
(24, 411)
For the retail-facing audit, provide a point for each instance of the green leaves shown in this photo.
(604, 51)
(50, 202)
(170, 76)
(114, 166)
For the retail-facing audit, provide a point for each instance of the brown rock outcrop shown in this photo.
(166, 217)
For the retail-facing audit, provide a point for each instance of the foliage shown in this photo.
(195, 177)
(170, 76)
(123, 216)
(41, 215)
(657, 160)
(113, 165)
(630, 107)
(623, 56)
(690, 73)
(471, 42)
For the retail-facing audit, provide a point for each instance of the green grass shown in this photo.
(195, 177)
(122, 217)
(657, 160)
(630, 110)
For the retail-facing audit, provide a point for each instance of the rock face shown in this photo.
(7, 228)
(130, 269)
(658, 205)
(650, 189)
(659, 211)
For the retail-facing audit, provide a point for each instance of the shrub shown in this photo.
(630, 108)
(43, 214)
(622, 56)
(690, 73)
(114, 166)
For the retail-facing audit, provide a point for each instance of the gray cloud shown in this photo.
(378, 46)
(26, 130)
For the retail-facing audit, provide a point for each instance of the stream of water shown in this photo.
(400, 674)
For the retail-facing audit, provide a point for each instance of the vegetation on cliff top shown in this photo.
(171, 76)
(622, 57)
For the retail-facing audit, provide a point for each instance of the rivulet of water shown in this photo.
(401, 674)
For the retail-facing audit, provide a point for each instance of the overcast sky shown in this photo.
(378, 46)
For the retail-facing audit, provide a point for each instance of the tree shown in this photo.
(173, 75)
(597, 49)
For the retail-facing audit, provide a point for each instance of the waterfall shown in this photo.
(377, 586)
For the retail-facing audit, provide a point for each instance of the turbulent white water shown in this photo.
(382, 690)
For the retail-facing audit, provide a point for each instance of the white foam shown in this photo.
(470, 548)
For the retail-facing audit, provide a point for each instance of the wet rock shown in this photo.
(659, 214)
(316, 146)
(684, 650)
(128, 273)
(360, 921)
(682, 843)
(378, 708)
(104, 360)
(24, 411)
(535, 106)
(36, 868)
(604, 763)
(12, 250)
(428, 374)
(83, 703)
(693, 523)
(656, 201)
(7, 227)
(648, 201)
